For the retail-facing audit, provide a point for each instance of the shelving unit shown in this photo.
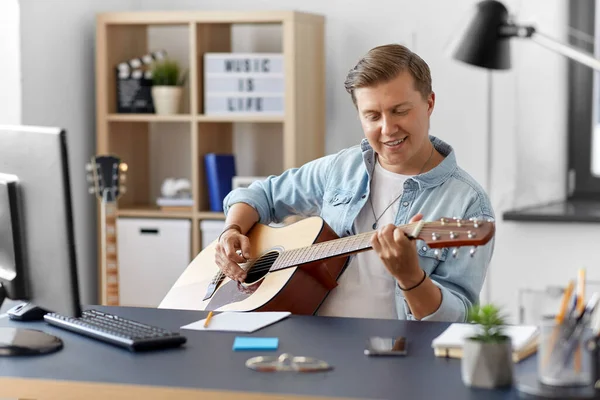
(124, 35)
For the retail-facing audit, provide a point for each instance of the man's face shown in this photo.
(395, 119)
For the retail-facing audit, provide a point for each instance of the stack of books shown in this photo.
(449, 344)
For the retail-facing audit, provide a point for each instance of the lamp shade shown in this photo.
(481, 43)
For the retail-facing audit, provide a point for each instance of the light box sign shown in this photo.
(243, 83)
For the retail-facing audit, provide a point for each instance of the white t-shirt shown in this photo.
(366, 288)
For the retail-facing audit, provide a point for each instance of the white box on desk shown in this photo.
(233, 103)
(152, 254)
(262, 63)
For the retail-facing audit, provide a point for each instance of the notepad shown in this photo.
(255, 343)
(239, 321)
(449, 343)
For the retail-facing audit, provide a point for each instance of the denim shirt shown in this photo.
(336, 187)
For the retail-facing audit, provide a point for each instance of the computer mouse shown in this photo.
(26, 312)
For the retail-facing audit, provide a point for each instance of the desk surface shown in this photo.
(207, 363)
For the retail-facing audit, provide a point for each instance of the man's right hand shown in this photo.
(232, 248)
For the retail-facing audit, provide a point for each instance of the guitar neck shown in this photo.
(109, 267)
(329, 249)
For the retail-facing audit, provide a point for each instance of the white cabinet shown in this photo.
(152, 254)
(210, 231)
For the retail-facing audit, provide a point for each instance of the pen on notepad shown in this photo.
(210, 314)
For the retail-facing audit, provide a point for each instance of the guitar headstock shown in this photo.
(107, 176)
(453, 232)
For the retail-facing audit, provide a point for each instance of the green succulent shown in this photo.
(491, 323)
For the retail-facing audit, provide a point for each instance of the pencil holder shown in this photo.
(564, 357)
(593, 346)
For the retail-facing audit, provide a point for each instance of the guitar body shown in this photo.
(299, 290)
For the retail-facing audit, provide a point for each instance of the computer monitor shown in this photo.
(37, 243)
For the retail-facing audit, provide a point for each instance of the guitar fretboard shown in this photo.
(110, 270)
(444, 233)
(332, 248)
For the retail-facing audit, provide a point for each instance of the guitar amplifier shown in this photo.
(153, 253)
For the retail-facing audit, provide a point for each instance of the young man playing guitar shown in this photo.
(398, 174)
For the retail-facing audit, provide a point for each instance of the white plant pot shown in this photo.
(166, 99)
(487, 365)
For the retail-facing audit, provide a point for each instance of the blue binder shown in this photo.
(220, 169)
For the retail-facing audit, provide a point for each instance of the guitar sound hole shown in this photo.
(261, 267)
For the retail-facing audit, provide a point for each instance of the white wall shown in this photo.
(529, 109)
(57, 66)
(10, 68)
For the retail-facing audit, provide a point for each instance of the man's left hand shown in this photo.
(398, 253)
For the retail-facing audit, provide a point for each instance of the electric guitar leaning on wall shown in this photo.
(107, 174)
(293, 268)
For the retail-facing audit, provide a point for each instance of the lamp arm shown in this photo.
(566, 50)
(552, 44)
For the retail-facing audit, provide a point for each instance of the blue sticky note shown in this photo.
(255, 343)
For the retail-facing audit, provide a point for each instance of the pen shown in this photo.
(572, 341)
(580, 309)
(210, 314)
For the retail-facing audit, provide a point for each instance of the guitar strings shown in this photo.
(265, 264)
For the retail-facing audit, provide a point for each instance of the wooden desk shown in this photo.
(207, 368)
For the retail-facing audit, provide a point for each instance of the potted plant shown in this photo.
(487, 355)
(167, 86)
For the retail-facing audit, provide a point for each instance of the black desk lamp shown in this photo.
(486, 40)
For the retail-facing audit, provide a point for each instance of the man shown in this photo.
(398, 174)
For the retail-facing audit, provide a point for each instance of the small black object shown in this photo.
(122, 332)
(26, 312)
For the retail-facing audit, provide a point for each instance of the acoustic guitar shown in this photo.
(107, 174)
(293, 268)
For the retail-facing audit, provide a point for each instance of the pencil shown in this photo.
(559, 320)
(210, 314)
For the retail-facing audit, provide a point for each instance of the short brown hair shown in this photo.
(383, 63)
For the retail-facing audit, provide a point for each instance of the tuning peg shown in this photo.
(89, 167)
(472, 251)
(91, 190)
(123, 167)
(471, 234)
(455, 252)
(89, 177)
(122, 189)
(436, 252)
(122, 178)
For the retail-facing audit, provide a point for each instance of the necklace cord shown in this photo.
(393, 201)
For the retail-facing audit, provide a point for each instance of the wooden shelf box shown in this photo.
(159, 146)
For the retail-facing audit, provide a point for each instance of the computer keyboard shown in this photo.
(109, 328)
